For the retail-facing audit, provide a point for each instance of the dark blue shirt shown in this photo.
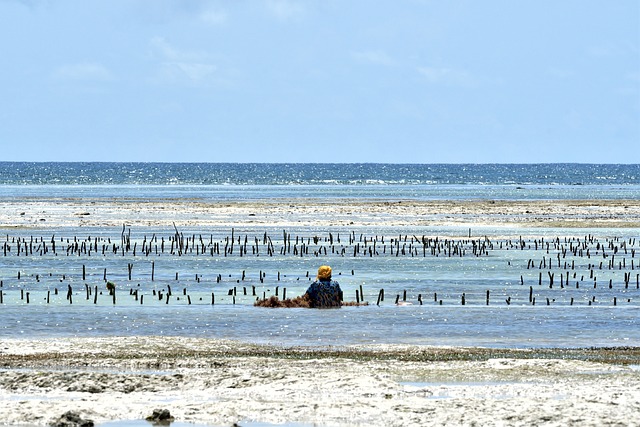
(325, 293)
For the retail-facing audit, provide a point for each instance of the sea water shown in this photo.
(430, 288)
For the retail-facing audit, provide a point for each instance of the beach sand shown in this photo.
(220, 383)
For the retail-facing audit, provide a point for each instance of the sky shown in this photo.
(402, 81)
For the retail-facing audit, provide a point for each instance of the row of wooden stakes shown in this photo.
(165, 296)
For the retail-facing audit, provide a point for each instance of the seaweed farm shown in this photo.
(431, 288)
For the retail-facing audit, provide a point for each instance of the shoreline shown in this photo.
(178, 351)
(218, 382)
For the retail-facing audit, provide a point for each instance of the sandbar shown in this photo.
(100, 212)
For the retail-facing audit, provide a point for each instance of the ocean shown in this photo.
(229, 181)
(492, 287)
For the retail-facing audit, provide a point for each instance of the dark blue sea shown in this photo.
(255, 181)
(23, 173)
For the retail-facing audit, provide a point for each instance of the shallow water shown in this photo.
(351, 191)
(568, 314)
(571, 313)
(436, 325)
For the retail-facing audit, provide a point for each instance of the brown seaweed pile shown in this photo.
(274, 302)
(297, 302)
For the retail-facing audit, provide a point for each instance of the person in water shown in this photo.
(324, 292)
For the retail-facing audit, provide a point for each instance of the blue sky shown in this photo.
(404, 81)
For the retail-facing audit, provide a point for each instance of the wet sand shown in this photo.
(221, 383)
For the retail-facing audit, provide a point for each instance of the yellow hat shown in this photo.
(324, 272)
